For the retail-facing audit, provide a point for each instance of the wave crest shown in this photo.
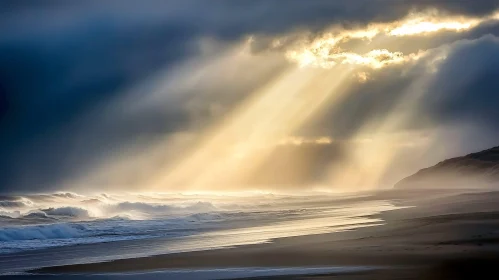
(151, 208)
(53, 231)
(73, 212)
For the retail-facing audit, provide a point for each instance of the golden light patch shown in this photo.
(324, 51)
(362, 77)
(323, 68)
(298, 141)
(239, 144)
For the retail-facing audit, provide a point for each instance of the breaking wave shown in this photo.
(53, 231)
(11, 204)
(67, 212)
(67, 206)
(62, 219)
(65, 218)
(164, 209)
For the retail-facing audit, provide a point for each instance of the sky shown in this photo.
(230, 95)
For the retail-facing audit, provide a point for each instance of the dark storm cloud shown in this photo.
(59, 60)
(467, 85)
(54, 67)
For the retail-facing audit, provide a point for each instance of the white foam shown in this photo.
(68, 211)
(41, 232)
(162, 208)
(66, 219)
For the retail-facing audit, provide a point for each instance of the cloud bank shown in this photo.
(109, 95)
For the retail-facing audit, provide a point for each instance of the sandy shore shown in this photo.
(442, 237)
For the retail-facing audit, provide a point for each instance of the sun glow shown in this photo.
(234, 148)
(239, 144)
(322, 71)
(326, 51)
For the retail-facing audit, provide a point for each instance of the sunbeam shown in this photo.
(245, 137)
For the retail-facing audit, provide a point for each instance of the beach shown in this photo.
(203, 140)
(412, 242)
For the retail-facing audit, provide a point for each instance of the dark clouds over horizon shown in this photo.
(61, 61)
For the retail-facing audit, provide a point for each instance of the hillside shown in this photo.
(473, 170)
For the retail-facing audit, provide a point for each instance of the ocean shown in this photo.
(40, 230)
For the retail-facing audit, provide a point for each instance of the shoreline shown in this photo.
(423, 238)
